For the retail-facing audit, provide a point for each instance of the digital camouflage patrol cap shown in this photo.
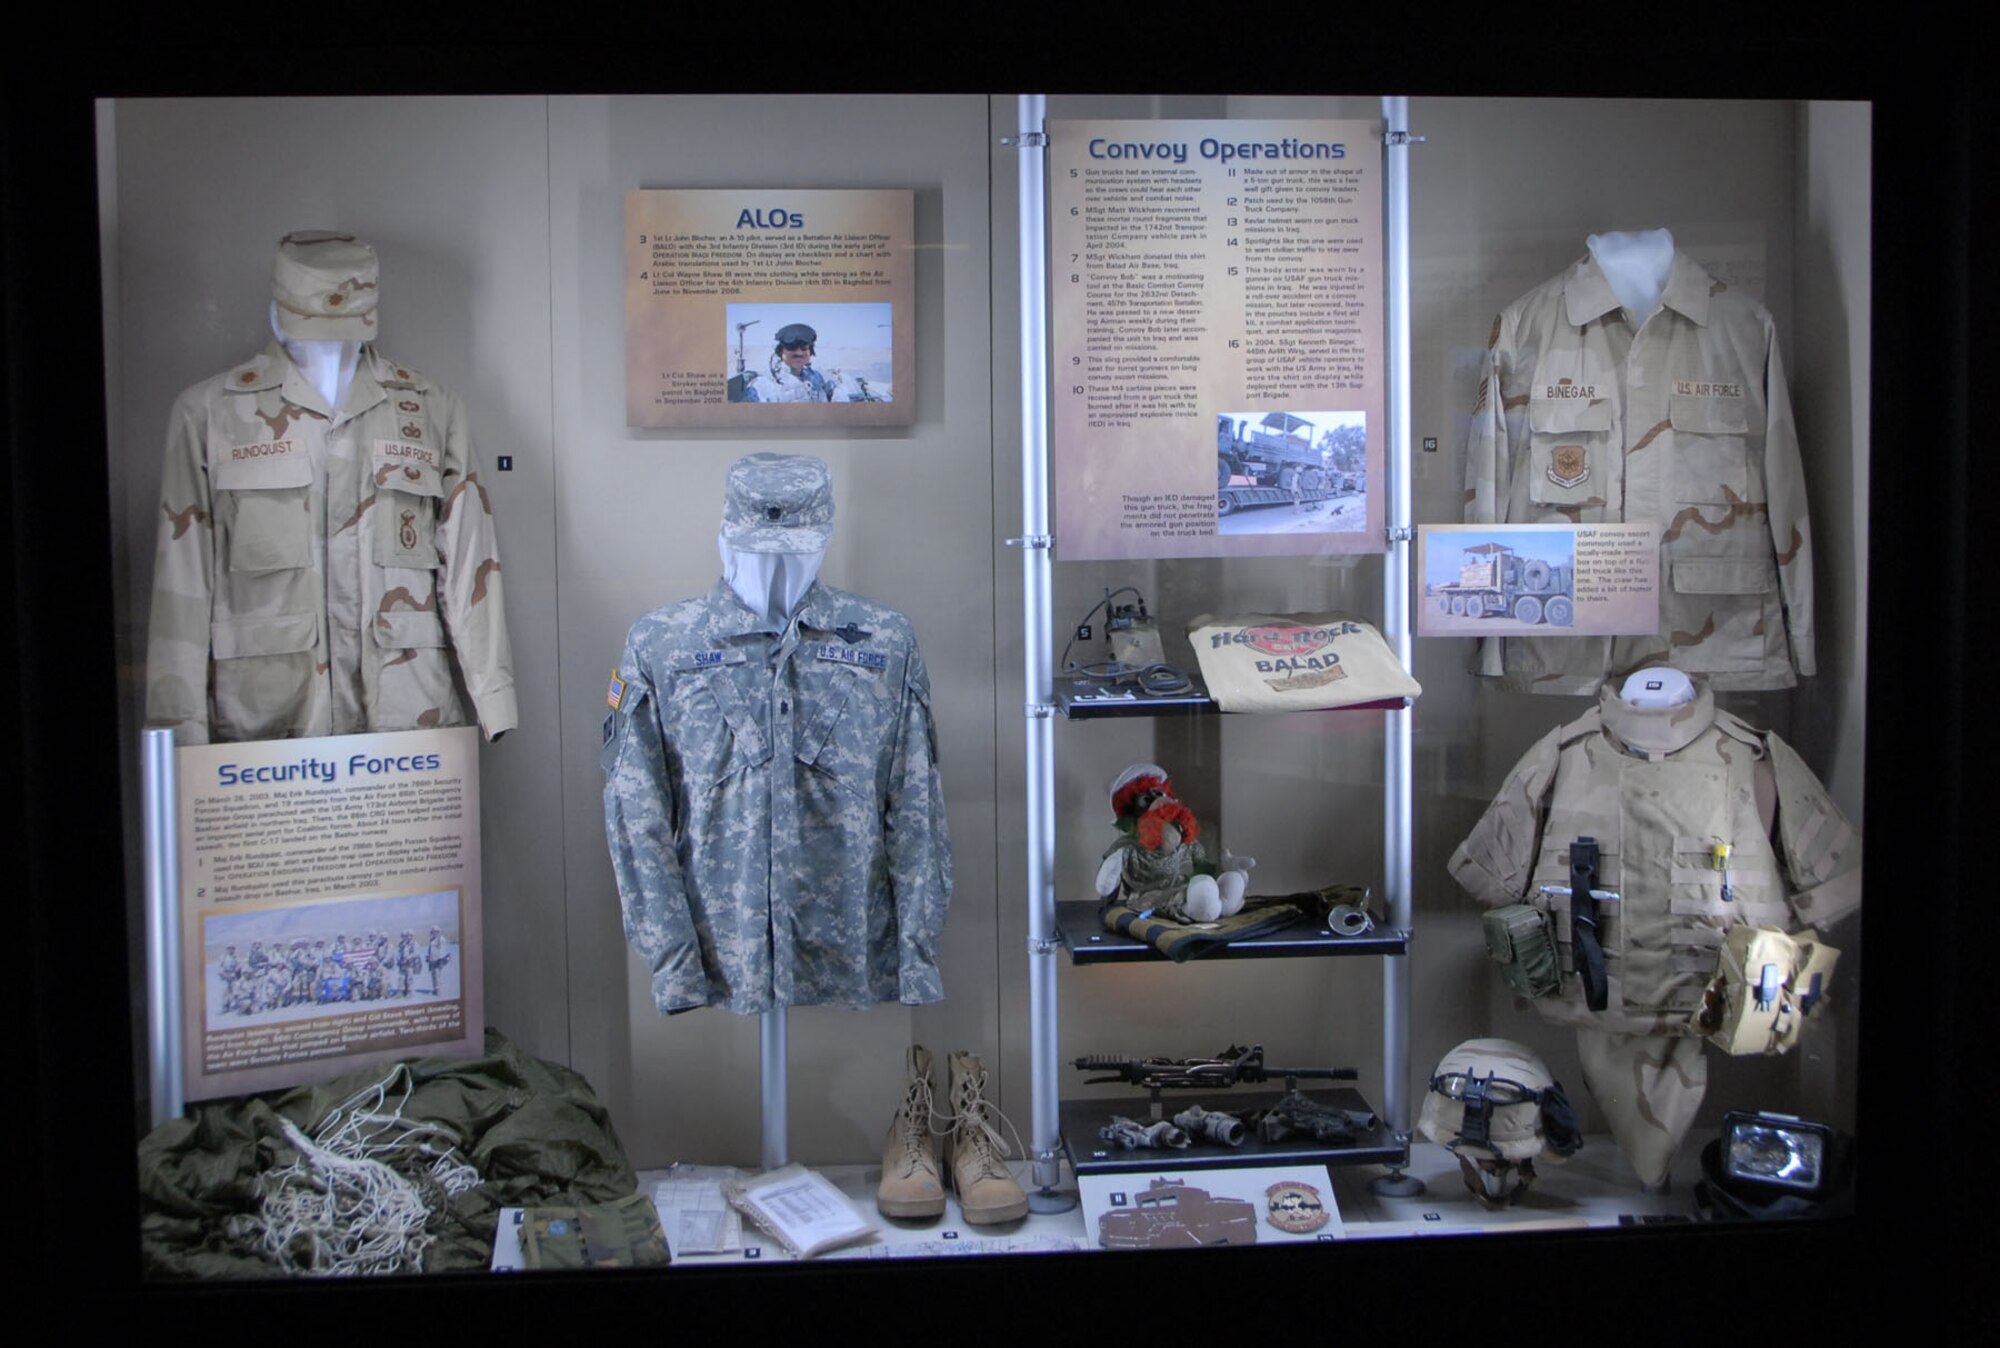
(325, 286)
(778, 503)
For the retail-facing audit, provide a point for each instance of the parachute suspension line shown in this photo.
(357, 1199)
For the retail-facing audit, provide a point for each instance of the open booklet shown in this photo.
(800, 1209)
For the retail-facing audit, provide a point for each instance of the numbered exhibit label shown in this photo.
(769, 308)
(330, 905)
(1216, 325)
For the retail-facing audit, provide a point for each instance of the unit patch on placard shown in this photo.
(841, 655)
(616, 693)
(1294, 1206)
(1569, 466)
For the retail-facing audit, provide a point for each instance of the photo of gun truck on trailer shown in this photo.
(1494, 581)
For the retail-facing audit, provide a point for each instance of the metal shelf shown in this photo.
(1082, 1117)
(1077, 926)
(1088, 941)
(1080, 699)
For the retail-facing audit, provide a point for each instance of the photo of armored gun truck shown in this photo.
(1277, 459)
(1172, 1214)
(1494, 581)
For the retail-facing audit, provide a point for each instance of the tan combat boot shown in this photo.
(987, 1191)
(910, 1184)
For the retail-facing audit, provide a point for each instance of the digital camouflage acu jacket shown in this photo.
(319, 571)
(1684, 423)
(1658, 788)
(773, 807)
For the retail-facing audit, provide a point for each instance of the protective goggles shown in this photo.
(1472, 1088)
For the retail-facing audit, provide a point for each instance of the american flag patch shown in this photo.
(616, 693)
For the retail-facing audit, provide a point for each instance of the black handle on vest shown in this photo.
(1583, 924)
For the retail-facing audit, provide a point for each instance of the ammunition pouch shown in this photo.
(1520, 938)
(1766, 983)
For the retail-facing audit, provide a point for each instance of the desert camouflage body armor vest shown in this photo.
(1662, 791)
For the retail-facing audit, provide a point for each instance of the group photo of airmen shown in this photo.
(287, 964)
(320, 972)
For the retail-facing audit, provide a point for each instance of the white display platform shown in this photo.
(1594, 1188)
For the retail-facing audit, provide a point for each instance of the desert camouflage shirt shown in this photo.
(772, 804)
(324, 571)
(1659, 788)
(1683, 422)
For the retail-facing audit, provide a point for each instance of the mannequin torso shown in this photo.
(1636, 265)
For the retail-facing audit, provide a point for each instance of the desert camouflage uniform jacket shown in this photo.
(773, 807)
(323, 572)
(1684, 423)
(1658, 788)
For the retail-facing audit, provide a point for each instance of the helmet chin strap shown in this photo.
(770, 584)
(1495, 1181)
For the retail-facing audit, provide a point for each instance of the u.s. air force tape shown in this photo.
(846, 655)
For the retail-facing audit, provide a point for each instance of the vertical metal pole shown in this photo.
(771, 1034)
(1037, 655)
(163, 927)
(1397, 739)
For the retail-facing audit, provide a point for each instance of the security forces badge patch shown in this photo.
(1294, 1206)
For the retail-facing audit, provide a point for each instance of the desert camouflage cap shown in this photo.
(778, 503)
(325, 286)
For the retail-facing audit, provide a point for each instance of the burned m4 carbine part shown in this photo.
(1234, 1064)
(1208, 1125)
(1297, 1116)
(1132, 1134)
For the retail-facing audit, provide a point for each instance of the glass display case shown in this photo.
(505, 278)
